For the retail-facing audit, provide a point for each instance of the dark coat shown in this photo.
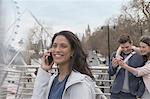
(136, 84)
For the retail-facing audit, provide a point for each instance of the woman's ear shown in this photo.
(132, 43)
(72, 53)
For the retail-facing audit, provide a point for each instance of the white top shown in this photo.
(145, 73)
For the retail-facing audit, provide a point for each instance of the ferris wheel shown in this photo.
(13, 26)
(17, 31)
(16, 34)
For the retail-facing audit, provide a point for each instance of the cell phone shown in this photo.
(50, 59)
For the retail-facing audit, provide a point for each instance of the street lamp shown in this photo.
(108, 45)
(141, 30)
(108, 41)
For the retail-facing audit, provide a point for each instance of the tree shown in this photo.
(133, 20)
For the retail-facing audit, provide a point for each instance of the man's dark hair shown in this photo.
(124, 39)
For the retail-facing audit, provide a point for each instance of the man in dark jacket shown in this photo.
(126, 85)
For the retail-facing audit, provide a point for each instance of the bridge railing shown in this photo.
(20, 81)
(102, 79)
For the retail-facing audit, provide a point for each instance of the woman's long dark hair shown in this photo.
(78, 60)
(146, 39)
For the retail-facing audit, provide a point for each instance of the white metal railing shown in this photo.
(102, 79)
(24, 80)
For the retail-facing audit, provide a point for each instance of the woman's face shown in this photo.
(61, 50)
(144, 48)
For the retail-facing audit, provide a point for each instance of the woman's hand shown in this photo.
(122, 63)
(44, 61)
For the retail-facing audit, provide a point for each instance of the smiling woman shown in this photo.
(74, 80)
(145, 70)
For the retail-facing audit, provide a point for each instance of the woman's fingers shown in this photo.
(45, 58)
(121, 63)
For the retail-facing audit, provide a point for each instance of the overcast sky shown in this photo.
(70, 14)
(73, 14)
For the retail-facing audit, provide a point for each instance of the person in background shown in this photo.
(126, 85)
(142, 71)
(74, 79)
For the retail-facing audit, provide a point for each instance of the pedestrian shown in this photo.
(126, 85)
(74, 79)
(145, 70)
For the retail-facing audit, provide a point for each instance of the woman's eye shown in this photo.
(59, 45)
(54, 46)
(63, 46)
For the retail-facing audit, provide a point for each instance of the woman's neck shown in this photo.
(63, 72)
